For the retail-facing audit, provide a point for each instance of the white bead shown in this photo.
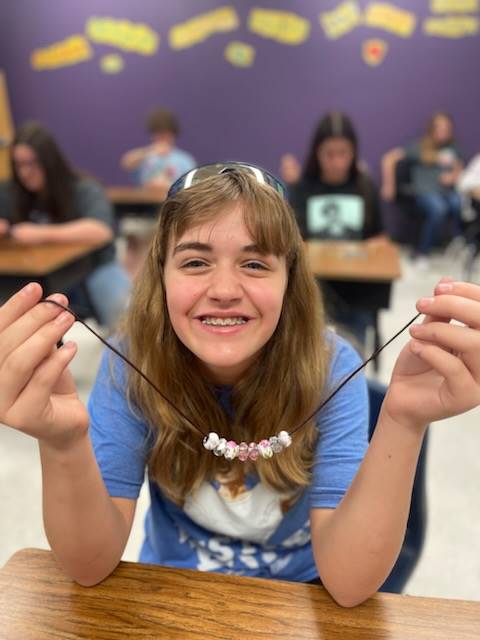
(211, 441)
(221, 447)
(284, 438)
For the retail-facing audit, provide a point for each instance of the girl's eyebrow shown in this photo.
(201, 246)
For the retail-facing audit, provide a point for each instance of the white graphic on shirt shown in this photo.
(246, 514)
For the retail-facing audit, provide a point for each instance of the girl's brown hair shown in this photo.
(57, 195)
(279, 390)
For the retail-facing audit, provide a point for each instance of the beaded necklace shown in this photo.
(229, 449)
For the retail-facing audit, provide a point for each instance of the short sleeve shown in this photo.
(120, 437)
(343, 430)
(91, 202)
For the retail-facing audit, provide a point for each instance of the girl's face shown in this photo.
(224, 297)
(28, 168)
(335, 157)
(441, 130)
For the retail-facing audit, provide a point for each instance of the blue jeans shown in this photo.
(108, 288)
(437, 207)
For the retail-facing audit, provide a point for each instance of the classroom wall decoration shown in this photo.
(247, 79)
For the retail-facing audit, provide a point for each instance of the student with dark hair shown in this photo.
(161, 162)
(436, 162)
(332, 196)
(47, 201)
(335, 199)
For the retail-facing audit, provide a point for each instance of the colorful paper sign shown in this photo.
(374, 51)
(283, 26)
(451, 27)
(239, 54)
(454, 6)
(64, 53)
(126, 35)
(388, 17)
(341, 20)
(199, 28)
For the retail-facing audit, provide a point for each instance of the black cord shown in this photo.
(125, 359)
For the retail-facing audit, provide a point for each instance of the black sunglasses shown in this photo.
(194, 176)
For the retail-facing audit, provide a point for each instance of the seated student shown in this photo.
(335, 199)
(46, 201)
(227, 323)
(436, 165)
(156, 165)
(161, 162)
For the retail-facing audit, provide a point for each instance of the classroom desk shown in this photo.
(57, 267)
(135, 201)
(357, 275)
(37, 602)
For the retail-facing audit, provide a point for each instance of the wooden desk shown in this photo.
(37, 602)
(354, 261)
(57, 267)
(136, 201)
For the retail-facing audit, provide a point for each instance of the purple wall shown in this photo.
(256, 113)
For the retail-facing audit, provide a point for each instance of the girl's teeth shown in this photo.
(223, 322)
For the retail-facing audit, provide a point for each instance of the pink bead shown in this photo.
(252, 451)
(243, 451)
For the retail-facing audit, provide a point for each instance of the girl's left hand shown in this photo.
(437, 374)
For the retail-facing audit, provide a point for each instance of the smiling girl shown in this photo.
(226, 322)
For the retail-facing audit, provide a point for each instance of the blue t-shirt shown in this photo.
(250, 530)
(171, 165)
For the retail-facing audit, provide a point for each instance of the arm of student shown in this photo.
(86, 528)
(133, 158)
(356, 545)
(389, 161)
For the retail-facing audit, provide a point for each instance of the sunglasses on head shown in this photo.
(194, 176)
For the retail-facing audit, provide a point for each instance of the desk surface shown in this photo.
(37, 260)
(362, 261)
(119, 195)
(143, 601)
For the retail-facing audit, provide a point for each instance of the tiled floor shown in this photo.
(450, 565)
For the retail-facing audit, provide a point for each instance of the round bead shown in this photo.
(211, 441)
(231, 450)
(243, 451)
(264, 449)
(221, 447)
(284, 438)
(275, 444)
(252, 451)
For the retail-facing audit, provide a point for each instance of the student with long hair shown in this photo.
(47, 201)
(436, 162)
(332, 194)
(226, 327)
(334, 198)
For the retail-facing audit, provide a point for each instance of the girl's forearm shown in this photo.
(87, 230)
(85, 529)
(356, 548)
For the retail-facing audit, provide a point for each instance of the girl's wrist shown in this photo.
(411, 427)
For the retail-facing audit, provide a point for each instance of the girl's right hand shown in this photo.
(4, 227)
(37, 391)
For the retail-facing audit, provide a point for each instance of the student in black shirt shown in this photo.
(334, 198)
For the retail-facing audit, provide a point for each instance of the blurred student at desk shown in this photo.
(47, 202)
(156, 166)
(161, 162)
(335, 199)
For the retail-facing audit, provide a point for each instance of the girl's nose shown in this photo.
(225, 284)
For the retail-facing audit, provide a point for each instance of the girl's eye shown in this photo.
(253, 264)
(192, 264)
